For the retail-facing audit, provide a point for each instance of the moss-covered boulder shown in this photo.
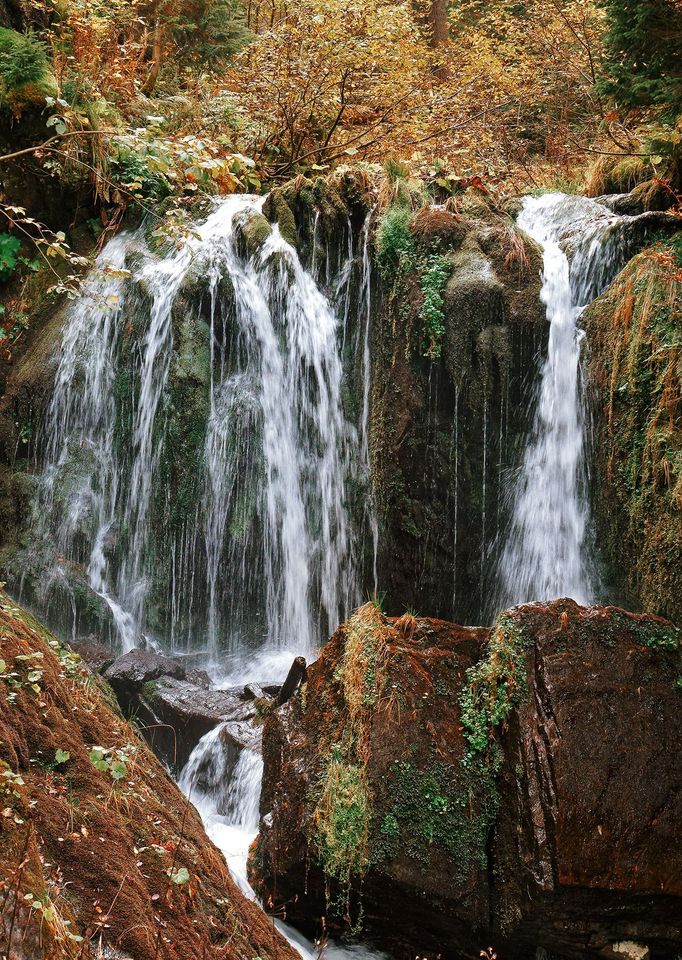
(634, 368)
(254, 231)
(510, 786)
(364, 800)
(26, 79)
(100, 854)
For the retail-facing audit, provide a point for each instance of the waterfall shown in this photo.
(227, 794)
(545, 553)
(261, 546)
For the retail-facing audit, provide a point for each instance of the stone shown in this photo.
(627, 950)
(510, 786)
(129, 672)
(588, 836)
(254, 231)
(254, 691)
(178, 713)
(414, 741)
(97, 656)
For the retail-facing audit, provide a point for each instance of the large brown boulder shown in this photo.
(452, 787)
(366, 811)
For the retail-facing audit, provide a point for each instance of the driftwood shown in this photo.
(294, 679)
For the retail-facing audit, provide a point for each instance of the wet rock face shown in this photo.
(176, 705)
(512, 786)
(636, 401)
(444, 431)
(587, 844)
(132, 669)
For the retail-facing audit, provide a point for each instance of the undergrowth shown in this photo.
(402, 262)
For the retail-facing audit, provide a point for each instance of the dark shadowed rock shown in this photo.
(524, 794)
(97, 656)
(178, 713)
(130, 671)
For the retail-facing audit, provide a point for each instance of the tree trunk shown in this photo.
(153, 75)
(437, 17)
(293, 681)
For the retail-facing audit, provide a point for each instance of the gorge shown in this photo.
(247, 434)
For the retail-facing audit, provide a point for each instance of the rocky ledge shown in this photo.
(176, 704)
(513, 786)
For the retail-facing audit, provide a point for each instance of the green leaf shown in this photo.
(3, 666)
(118, 769)
(61, 756)
(178, 876)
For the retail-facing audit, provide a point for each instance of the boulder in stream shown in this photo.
(511, 786)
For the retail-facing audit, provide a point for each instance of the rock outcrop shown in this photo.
(512, 786)
(636, 382)
(176, 705)
(100, 854)
(443, 425)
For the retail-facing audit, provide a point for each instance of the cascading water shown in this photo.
(545, 554)
(264, 562)
(227, 798)
(262, 548)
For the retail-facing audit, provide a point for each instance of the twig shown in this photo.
(58, 136)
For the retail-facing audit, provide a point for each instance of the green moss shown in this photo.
(25, 75)
(453, 807)
(444, 806)
(277, 210)
(495, 685)
(343, 811)
(402, 260)
(255, 231)
(434, 278)
(395, 244)
(149, 689)
(342, 819)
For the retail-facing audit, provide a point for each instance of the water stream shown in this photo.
(547, 551)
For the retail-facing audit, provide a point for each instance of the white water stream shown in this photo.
(546, 552)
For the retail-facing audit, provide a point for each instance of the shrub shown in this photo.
(395, 242)
(25, 76)
(9, 247)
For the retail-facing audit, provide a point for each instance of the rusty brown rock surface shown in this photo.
(453, 787)
(588, 839)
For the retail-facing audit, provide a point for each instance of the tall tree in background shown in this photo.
(437, 14)
(644, 53)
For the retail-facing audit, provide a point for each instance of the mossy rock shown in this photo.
(278, 211)
(25, 76)
(254, 231)
(635, 375)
